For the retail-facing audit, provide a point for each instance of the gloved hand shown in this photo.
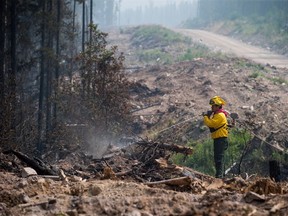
(208, 113)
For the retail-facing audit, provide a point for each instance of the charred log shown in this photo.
(38, 165)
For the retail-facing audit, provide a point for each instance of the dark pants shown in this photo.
(220, 145)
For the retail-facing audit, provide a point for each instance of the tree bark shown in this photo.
(83, 26)
(2, 66)
(12, 74)
(41, 88)
(49, 72)
(91, 18)
(57, 66)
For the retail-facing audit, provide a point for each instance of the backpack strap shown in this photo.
(213, 129)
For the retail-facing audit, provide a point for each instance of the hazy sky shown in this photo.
(134, 3)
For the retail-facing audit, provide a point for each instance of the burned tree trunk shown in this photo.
(274, 169)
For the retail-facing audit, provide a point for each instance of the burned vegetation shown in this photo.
(116, 139)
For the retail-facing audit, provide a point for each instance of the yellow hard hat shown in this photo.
(216, 100)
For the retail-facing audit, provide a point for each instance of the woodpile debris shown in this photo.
(145, 163)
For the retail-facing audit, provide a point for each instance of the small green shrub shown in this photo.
(242, 63)
(196, 51)
(254, 75)
(154, 55)
(278, 157)
(203, 158)
(278, 80)
(159, 34)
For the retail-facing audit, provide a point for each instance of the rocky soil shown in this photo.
(135, 180)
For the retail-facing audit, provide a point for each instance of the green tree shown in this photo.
(104, 79)
(98, 99)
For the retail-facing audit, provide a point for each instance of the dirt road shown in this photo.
(228, 45)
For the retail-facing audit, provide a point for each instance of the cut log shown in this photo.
(27, 171)
(169, 147)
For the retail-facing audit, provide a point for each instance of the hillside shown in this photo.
(167, 99)
(182, 90)
(264, 34)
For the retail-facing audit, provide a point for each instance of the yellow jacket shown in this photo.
(217, 120)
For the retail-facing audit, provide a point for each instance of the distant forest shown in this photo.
(231, 9)
(175, 14)
(260, 22)
(171, 14)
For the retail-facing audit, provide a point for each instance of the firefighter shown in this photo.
(216, 120)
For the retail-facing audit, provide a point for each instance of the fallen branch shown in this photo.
(50, 177)
(170, 147)
(44, 204)
(187, 180)
(199, 174)
(146, 107)
(123, 173)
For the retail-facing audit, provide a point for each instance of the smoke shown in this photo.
(98, 143)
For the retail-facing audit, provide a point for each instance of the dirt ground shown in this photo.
(161, 94)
